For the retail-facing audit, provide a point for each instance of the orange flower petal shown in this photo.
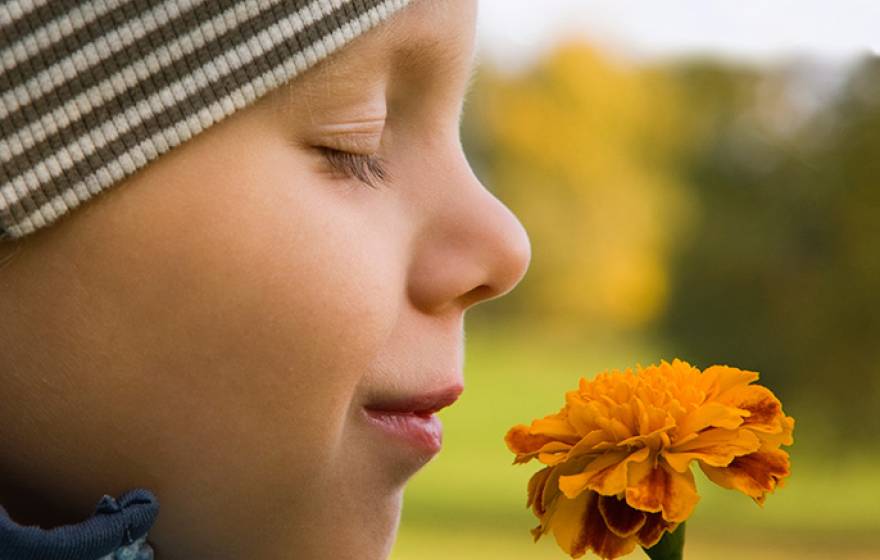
(754, 474)
(551, 488)
(621, 519)
(579, 413)
(596, 536)
(714, 447)
(765, 410)
(527, 445)
(607, 474)
(665, 490)
(536, 490)
(572, 485)
(711, 414)
(653, 529)
(594, 441)
(618, 430)
(566, 522)
(717, 380)
(784, 437)
(557, 427)
(554, 452)
(520, 441)
(537, 532)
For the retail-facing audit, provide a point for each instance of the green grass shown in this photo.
(469, 503)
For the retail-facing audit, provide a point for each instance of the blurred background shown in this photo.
(700, 179)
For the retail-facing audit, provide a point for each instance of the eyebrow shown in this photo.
(408, 54)
(414, 55)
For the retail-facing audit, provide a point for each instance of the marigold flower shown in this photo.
(618, 454)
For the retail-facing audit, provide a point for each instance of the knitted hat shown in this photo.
(92, 90)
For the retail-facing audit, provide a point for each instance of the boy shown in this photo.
(256, 326)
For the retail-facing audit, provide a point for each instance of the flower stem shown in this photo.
(670, 547)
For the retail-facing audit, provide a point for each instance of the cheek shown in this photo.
(286, 311)
(253, 309)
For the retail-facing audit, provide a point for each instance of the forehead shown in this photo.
(433, 31)
(428, 37)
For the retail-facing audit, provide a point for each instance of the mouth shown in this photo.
(411, 420)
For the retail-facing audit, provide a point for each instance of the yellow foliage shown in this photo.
(581, 149)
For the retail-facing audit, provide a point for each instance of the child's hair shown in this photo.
(92, 91)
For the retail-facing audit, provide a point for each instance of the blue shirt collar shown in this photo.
(117, 531)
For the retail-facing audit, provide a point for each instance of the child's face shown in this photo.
(213, 329)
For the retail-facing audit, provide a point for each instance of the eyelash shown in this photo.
(367, 169)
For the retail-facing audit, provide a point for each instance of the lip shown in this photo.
(412, 420)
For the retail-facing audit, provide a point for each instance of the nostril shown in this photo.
(482, 292)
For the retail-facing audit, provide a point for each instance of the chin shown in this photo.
(381, 532)
(366, 531)
(356, 505)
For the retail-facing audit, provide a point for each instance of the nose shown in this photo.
(471, 248)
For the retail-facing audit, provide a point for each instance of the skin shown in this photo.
(212, 328)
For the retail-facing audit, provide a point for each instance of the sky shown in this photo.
(514, 32)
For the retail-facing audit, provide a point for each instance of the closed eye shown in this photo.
(368, 169)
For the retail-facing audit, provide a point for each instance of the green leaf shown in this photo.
(670, 547)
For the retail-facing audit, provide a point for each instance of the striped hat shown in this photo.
(92, 90)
